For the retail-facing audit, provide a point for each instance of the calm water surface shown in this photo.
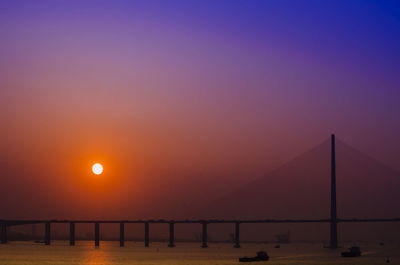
(109, 253)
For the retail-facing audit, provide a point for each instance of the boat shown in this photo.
(352, 252)
(261, 256)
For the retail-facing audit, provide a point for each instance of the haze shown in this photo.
(184, 101)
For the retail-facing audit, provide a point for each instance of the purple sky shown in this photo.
(192, 91)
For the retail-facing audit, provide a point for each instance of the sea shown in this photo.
(110, 253)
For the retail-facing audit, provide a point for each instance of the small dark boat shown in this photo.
(352, 252)
(261, 256)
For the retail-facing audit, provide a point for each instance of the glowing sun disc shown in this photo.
(97, 169)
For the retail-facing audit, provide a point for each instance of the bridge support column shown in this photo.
(146, 234)
(96, 234)
(121, 234)
(171, 235)
(237, 242)
(204, 235)
(47, 233)
(72, 234)
(3, 233)
(333, 222)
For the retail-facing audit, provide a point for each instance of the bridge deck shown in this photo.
(200, 221)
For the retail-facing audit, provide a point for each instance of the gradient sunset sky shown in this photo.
(174, 95)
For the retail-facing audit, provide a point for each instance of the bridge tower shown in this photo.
(333, 222)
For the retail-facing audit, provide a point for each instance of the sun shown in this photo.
(97, 169)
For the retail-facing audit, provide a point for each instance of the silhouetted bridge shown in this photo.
(203, 223)
(333, 220)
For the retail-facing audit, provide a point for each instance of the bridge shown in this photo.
(333, 220)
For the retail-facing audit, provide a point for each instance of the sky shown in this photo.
(184, 100)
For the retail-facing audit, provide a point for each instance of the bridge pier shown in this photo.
(204, 235)
(121, 234)
(3, 233)
(96, 234)
(146, 234)
(237, 235)
(47, 233)
(171, 235)
(72, 234)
